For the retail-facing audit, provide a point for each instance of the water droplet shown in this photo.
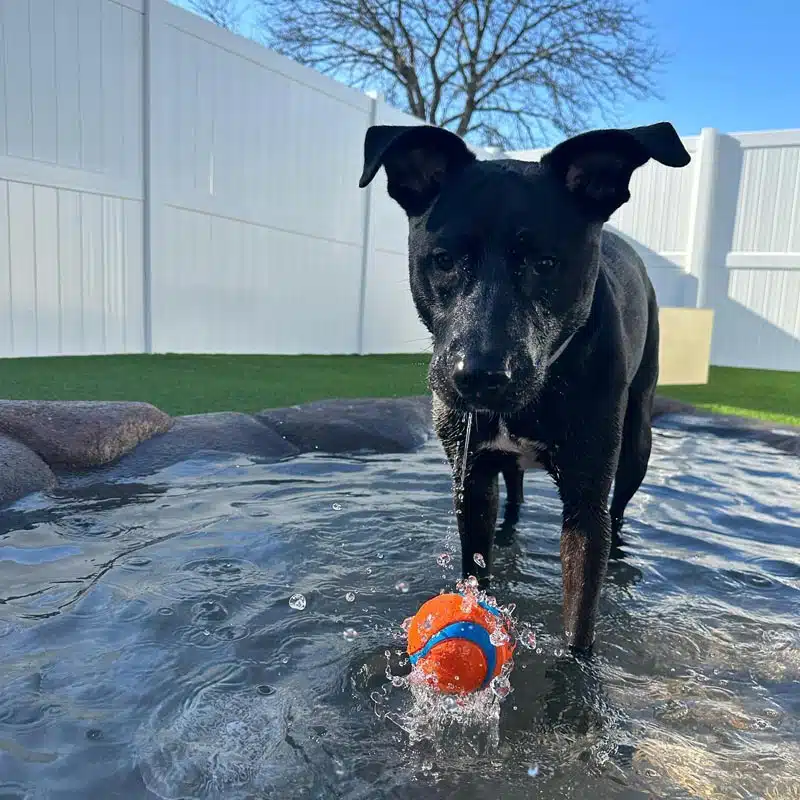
(337, 506)
(285, 660)
(498, 636)
(406, 626)
(533, 771)
(538, 651)
(297, 602)
(265, 690)
(501, 686)
(165, 612)
(444, 560)
(401, 587)
(449, 703)
(472, 583)
(558, 652)
(479, 560)
(369, 570)
(338, 767)
(350, 634)
(380, 555)
(350, 597)
(527, 639)
(93, 734)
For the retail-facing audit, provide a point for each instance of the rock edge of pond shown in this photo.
(67, 444)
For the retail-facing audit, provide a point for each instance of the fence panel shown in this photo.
(757, 298)
(71, 178)
(168, 186)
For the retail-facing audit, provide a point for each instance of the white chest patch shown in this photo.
(528, 450)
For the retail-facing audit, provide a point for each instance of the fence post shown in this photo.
(699, 250)
(150, 202)
(366, 234)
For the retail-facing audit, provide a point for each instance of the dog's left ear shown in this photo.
(417, 159)
(596, 167)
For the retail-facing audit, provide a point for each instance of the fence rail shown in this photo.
(166, 186)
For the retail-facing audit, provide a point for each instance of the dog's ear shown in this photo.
(417, 159)
(596, 167)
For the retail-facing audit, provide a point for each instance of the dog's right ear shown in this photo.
(418, 159)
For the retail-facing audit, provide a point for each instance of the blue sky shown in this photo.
(735, 65)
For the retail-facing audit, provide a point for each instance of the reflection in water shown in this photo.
(149, 646)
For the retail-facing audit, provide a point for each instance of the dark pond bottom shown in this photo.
(148, 647)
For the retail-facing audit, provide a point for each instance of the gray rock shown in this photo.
(191, 436)
(21, 471)
(80, 434)
(785, 438)
(666, 405)
(383, 425)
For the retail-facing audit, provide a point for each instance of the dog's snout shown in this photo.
(481, 380)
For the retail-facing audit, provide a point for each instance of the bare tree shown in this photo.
(504, 72)
(225, 13)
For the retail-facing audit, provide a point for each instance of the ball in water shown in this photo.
(451, 640)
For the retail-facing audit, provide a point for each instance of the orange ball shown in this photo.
(450, 642)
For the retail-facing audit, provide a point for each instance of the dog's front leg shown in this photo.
(476, 504)
(585, 469)
(585, 546)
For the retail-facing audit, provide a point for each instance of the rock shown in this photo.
(666, 405)
(21, 471)
(785, 438)
(381, 425)
(80, 434)
(227, 433)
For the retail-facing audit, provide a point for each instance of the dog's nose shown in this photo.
(478, 379)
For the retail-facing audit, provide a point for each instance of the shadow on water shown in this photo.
(148, 647)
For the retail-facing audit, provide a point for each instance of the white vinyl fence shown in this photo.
(166, 186)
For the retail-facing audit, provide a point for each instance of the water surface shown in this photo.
(148, 648)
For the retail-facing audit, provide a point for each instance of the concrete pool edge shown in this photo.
(50, 444)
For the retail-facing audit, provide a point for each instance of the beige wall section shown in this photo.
(685, 345)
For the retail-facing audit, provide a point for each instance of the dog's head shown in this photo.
(504, 255)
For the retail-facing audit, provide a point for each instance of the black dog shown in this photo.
(545, 331)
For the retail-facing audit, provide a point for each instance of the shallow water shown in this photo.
(148, 647)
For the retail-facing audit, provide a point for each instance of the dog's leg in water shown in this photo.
(634, 456)
(584, 470)
(513, 476)
(637, 438)
(476, 505)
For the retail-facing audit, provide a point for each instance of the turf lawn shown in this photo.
(196, 384)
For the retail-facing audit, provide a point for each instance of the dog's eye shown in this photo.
(442, 260)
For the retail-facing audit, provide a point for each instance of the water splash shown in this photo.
(444, 560)
(350, 597)
(439, 720)
(350, 634)
(465, 455)
(297, 602)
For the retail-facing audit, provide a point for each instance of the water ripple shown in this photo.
(158, 614)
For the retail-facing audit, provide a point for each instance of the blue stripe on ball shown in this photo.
(490, 609)
(470, 631)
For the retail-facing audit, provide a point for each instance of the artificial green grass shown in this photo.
(760, 393)
(194, 384)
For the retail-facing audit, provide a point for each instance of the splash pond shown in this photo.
(219, 628)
